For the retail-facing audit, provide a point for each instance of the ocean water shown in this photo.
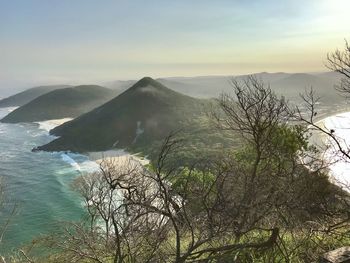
(340, 169)
(39, 183)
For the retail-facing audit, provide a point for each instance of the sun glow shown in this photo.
(336, 14)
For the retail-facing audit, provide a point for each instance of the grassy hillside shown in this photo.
(61, 103)
(28, 95)
(137, 120)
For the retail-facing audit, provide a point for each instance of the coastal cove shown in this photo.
(40, 182)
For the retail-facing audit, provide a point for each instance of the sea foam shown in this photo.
(10, 109)
(50, 124)
(80, 162)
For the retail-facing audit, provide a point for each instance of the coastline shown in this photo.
(339, 166)
(11, 109)
(40, 183)
(116, 156)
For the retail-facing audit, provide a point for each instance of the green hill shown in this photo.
(138, 120)
(28, 95)
(61, 103)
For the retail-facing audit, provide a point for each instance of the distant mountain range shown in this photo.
(147, 110)
(289, 85)
(142, 115)
(28, 95)
(61, 103)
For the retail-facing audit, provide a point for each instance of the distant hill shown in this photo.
(293, 84)
(26, 96)
(286, 84)
(137, 119)
(289, 85)
(213, 86)
(61, 103)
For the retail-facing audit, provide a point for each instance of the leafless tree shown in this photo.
(137, 216)
(339, 61)
(334, 149)
(280, 180)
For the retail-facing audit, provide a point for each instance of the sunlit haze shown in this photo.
(85, 41)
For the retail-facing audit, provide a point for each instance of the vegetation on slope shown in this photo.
(138, 120)
(255, 203)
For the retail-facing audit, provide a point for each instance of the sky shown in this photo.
(92, 41)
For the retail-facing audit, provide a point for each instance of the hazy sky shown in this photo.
(81, 41)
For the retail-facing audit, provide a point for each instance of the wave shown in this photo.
(84, 166)
(66, 158)
(5, 111)
(40, 181)
(10, 109)
(50, 124)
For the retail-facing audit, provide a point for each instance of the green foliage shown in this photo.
(151, 109)
(188, 180)
(285, 143)
(290, 139)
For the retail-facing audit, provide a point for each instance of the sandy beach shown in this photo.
(116, 156)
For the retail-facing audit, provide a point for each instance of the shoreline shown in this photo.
(116, 156)
(339, 168)
(51, 124)
(338, 120)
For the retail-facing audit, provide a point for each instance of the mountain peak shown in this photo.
(148, 106)
(147, 81)
(151, 87)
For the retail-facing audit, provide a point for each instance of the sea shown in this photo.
(39, 184)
